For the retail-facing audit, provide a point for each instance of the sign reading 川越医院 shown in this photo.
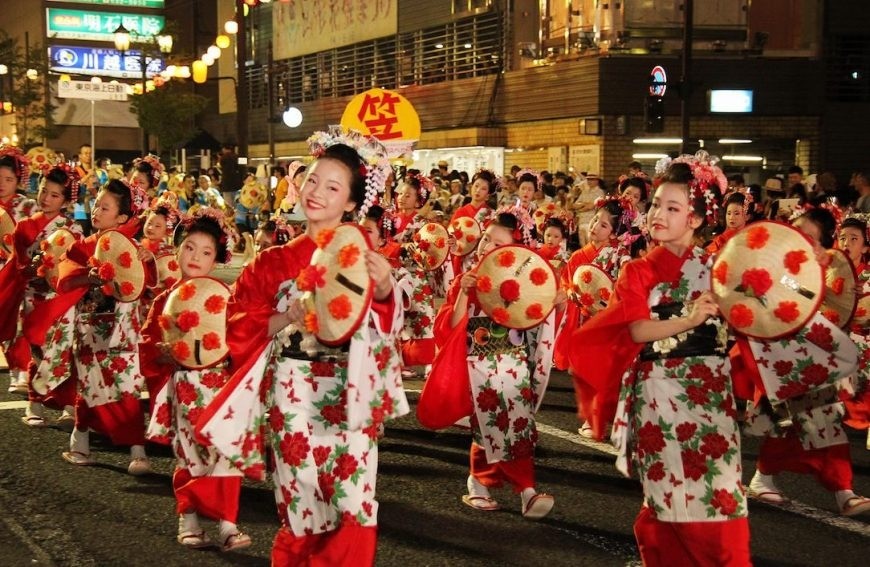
(101, 61)
(98, 26)
(124, 3)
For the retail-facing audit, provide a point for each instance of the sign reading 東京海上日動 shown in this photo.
(91, 91)
(98, 26)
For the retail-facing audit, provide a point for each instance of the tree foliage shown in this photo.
(168, 112)
(34, 111)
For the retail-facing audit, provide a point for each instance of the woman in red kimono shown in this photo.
(605, 250)
(314, 409)
(736, 217)
(484, 184)
(14, 172)
(379, 225)
(20, 287)
(853, 240)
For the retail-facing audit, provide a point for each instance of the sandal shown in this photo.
(65, 422)
(855, 505)
(77, 458)
(194, 540)
(237, 540)
(33, 421)
(538, 506)
(485, 503)
(139, 466)
(764, 489)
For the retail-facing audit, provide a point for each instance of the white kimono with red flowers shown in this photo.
(318, 419)
(676, 419)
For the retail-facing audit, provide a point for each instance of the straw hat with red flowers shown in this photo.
(431, 246)
(52, 248)
(767, 280)
(337, 284)
(516, 286)
(592, 288)
(841, 290)
(466, 232)
(194, 322)
(7, 227)
(118, 264)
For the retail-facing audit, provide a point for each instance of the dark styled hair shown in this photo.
(145, 167)
(415, 182)
(556, 223)
(681, 174)
(616, 212)
(528, 178)
(61, 177)
(203, 225)
(858, 224)
(508, 221)
(824, 219)
(376, 213)
(634, 182)
(121, 192)
(735, 199)
(271, 228)
(348, 157)
(487, 176)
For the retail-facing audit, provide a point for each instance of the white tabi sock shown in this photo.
(843, 496)
(79, 441)
(137, 452)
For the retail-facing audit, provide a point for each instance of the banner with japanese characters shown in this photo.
(308, 26)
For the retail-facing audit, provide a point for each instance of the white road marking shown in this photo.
(13, 405)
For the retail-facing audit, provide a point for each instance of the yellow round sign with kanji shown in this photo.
(386, 115)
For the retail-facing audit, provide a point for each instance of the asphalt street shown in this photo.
(54, 513)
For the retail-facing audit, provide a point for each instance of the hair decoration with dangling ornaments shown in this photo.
(539, 180)
(170, 203)
(22, 162)
(138, 197)
(156, 167)
(218, 217)
(375, 163)
(73, 179)
(706, 174)
(831, 207)
(427, 186)
(523, 232)
(496, 183)
(629, 214)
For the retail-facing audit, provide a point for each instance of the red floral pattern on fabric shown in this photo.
(324, 237)
(311, 277)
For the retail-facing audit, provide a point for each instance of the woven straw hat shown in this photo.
(7, 227)
(431, 246)
(252, 195)
(194, 322)
(861, 320)
(544, 212)
(119, 264)
(767, 280)
(337, 284)
(466, 231)
(168, 270)
(841, 294)
(53, 247)
(592, 288)
(516, 287)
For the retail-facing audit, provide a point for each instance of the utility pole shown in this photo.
(686, 78)
(242, 83)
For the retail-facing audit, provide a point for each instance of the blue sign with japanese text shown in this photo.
(102, 61)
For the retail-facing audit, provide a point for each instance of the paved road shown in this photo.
(52, 513)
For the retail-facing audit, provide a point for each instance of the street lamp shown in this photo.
(122, 44)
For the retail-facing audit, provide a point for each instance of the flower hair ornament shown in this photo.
(22, 162)
(539, 181)
(218, 217)
(834, 209)
(169, 201)
(73, 179)
(524, 231)
(629, 214)
(156, 167)
(706, 175)
(138, 197)
(427, 186)
(496, 179)
(375, 166)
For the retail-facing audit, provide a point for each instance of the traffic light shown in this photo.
(654, 114)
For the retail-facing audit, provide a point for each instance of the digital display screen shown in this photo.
(730, 101)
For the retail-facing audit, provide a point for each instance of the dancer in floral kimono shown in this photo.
(107, 333)
(14, 173)
(676, 421)
(159, 222)
(316, 410)
(508, 376)
(205, 483)
(737, 206)
(855, 242)
(19, 280)
(814, 442)
(484, 184)
(608, 249)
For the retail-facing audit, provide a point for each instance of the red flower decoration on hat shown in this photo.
(741, 316)
(604, 294)
(348, 255)
(501, 315)
(125, 260)
(105, 244)
(165, 322)
(509, 290)
(324, 237)
(173, 266)
(340, 307)
(311, 278)
(106, 272)
(757, 237)
(127, 289)
(793, 260)
(211, 341)
(787, 311)
(506, 259)
(755, 282)
(431, 227)
(423, 245)
(586, 277)
(586, 299)
(187, 320)
(180, 350)
(431, 261)
(440, 243)
(186, 291)
(535, 311)
(838, 285)
(831, 316)
(539, 276)
(107, 289)
(720, 272)
(215, 304)
(312, 325)
(484, 284)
